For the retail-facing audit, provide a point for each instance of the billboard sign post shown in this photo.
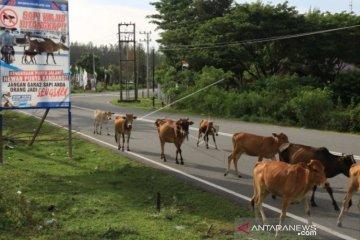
(35, 59)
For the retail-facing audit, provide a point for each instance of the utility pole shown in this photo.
(147, 40)
(351, 6)
(153, 76)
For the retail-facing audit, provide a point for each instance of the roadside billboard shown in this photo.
(34, 70)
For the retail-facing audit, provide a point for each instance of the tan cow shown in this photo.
(123, 126)
(256, 146)
(101, 118)
(354, 186)
(173, 132)
(207, 128)
(291, 182)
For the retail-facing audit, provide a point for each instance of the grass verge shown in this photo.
(99, 194)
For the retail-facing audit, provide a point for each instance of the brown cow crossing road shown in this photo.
(209, 165)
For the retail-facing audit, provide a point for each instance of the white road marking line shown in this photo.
(218, 187)
(357, 158)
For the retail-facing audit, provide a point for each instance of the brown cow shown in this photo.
(173, 132)
(333, 164)
(354, 186)
(253, 145)
(207, 128)
(123, 126)
(291, 182)
(100, 118)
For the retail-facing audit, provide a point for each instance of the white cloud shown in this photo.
(98, 22)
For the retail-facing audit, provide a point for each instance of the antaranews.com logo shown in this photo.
(247, 228)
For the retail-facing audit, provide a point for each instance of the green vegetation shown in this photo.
(98, 195)
(143, 103)
(311, 81)
(288, 100)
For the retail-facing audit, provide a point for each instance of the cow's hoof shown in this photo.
(313, 204)
(339, 224)
(239, 176)
(177, 163)
(164, 160)
(123, 149)
(108, 134)
(182, 163)
(273, 196)
(119, 148)
(207, 147)
(336, 207)
(225, 174)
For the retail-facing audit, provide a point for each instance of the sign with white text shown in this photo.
(34, 65)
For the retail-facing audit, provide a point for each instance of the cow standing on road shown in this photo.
(101, 118)
(291, 182)
(173, 132)
(207, 128)
(354, 186)
(334, 165)
(256, 146)
(123, 126)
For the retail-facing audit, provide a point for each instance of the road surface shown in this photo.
(207, 167)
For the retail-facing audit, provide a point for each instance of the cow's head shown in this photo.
(214, 127)
(346, 162)
(183, 126)
(282, 140)
(317, 174)
(129, 118)
(108, 115)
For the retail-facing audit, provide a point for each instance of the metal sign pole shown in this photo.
(70, 132)
(1, 139)
(39, 127)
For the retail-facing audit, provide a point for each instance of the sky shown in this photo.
(97, 20)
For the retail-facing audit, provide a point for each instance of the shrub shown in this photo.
(312, 107)
(347, 87)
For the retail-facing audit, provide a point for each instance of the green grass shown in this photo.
(143, 103)
(98, 195)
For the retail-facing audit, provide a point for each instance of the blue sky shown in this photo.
(96, 20)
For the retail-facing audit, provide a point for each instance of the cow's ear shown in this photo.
(191, 123)
(135, 117)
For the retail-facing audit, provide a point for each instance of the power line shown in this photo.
(252, 41)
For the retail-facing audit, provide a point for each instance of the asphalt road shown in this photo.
(207, 167)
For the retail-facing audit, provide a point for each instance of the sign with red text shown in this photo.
(34, 65)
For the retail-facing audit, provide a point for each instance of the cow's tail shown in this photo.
(116, 140)
(234, 147)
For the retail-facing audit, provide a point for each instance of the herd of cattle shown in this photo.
(300, 168)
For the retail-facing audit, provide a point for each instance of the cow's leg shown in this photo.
(307, 208)
(213, 136)
(95, 130)
(330, 191)
(53, 57)
(345, 205)
(259, 206)
(236, 160)
(123, 142)
(118, 139)
(181, 157)
(231, 158)
(285, 205)
(128, 140)
(206, 139)
(162, 143)
(199, 136)
(313, 204)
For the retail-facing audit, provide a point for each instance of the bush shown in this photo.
(312, 107)
(347, 87)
